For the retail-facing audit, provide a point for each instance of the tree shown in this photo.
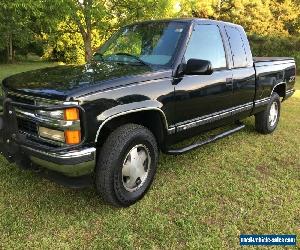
(263, 17)
(22, 24)
(13, 20)
(102, 17)
(86, 14)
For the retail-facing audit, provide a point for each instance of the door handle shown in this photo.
(229, 82)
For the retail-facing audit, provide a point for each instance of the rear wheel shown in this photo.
(126, 165)
(267, 120)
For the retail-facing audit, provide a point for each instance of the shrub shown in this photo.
(276, 46)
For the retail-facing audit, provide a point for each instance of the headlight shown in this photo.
(69, 114)
(52, 134)
(69, 135)
(56, 114)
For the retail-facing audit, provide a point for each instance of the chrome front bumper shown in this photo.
(73, 163)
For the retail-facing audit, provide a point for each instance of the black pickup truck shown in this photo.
(151, 85)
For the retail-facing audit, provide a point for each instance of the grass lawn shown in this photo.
(246, 183)
(10, 69)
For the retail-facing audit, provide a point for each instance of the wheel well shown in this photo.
(150, 119)
(280, 90)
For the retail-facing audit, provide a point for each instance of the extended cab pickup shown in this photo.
(152, 84)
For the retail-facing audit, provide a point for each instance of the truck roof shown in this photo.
(190, 19)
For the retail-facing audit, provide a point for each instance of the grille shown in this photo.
(27, 126)
(21, 99)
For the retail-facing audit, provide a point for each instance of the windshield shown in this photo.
(152, 43)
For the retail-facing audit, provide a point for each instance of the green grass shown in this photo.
(10, 69)
(245, 183)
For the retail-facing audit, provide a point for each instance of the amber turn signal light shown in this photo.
(73, 136)
(71, 114)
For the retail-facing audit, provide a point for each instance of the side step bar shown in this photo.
(202, 143)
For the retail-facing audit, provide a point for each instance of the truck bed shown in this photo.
(273, 71)
(264, 61)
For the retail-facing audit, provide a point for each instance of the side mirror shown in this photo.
(198, 67)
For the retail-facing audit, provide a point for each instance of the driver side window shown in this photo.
(206, 44)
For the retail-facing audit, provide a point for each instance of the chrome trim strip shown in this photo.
(170, 130)
(212, 117)
(66, 155)
(47, 121)
(290, 91)
(262, 102)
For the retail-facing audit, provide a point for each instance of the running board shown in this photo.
(202, 143)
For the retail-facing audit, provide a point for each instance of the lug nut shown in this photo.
(138, 181)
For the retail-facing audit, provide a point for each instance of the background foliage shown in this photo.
(70, 30)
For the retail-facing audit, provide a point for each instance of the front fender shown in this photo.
(129, 108)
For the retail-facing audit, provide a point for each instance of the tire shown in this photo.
(121, 177)
(263, 122)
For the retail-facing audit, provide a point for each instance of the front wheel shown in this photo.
(267, 120)
(126, 165)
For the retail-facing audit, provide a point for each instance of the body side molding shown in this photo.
(213, 117)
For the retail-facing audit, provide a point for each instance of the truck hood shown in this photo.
(65, 82)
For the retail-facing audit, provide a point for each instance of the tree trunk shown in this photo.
(88, 47)
(88, 21)
(86, 27)
(9, 49)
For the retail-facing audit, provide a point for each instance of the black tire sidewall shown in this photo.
(137, 136)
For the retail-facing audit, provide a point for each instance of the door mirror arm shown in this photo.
(179, 72)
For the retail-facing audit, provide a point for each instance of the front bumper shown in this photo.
(74, 163)
(71, 161)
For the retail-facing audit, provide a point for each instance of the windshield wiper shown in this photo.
(133, 56)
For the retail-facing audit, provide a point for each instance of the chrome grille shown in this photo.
(26, 126)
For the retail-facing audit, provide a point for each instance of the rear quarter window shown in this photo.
(237, 46)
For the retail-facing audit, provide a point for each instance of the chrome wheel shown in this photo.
(273, 114)
(136, 167)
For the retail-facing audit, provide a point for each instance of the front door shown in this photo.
(201, 99)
